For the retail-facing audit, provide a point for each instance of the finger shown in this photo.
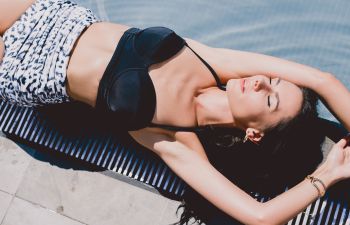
(347, 155)
(342, 143)
(347, 138)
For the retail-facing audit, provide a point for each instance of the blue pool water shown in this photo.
(313, 32)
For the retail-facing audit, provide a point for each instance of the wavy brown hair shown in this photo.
(267, 168)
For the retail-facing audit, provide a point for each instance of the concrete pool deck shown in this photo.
(35, 192)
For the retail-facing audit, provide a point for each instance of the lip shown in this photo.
(242, 85)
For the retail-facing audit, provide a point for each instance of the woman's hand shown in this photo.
(338, 161)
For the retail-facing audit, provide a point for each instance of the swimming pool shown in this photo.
(313, 32)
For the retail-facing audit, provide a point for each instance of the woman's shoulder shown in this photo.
(163, 141)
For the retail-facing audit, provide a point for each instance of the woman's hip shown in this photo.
(37, 51)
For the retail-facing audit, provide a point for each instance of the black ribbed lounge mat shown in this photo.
(74, 130)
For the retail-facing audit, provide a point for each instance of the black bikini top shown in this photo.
(126, 94)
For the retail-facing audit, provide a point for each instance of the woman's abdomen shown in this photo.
(89, 59)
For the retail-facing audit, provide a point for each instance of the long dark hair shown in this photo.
(267, 168)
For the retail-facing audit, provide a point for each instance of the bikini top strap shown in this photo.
(176, 128)
(216, 77)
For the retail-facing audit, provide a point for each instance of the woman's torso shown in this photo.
(178, 81)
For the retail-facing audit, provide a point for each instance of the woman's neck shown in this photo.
(212, 108)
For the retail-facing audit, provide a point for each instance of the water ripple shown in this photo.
(313, 32)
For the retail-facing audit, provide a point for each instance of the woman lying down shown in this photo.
(161, 88)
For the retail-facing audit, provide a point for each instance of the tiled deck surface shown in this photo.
(35, 192)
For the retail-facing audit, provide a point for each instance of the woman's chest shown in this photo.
(177, 82)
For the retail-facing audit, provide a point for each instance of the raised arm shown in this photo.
(233, 64)
(333, 93)
(206, 180)
(10, 11)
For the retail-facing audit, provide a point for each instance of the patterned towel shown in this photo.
(37, 51)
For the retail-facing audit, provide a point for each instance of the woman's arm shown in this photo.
(233, 64)
(336, 97)
(334, 94)
(206, 180)
(10, 11)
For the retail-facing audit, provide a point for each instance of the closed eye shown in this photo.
(276, 95)
(268, 97)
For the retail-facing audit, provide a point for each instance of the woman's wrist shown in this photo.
(326, 175)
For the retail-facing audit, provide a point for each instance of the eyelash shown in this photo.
(268, 97)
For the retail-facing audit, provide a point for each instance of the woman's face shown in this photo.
(260, 102)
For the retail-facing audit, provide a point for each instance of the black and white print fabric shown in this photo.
(37, 51)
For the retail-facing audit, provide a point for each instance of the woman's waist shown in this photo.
(89, 59)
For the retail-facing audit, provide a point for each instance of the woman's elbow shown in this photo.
(263, 220)
(167, 150)
(259, 218)
(262, 217)
(323, 81)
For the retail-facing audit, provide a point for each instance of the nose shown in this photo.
(260, 84)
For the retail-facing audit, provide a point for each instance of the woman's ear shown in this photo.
(254, 135)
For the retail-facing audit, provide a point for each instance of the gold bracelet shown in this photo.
(318, 190)
(321, 182)
(313, 181)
